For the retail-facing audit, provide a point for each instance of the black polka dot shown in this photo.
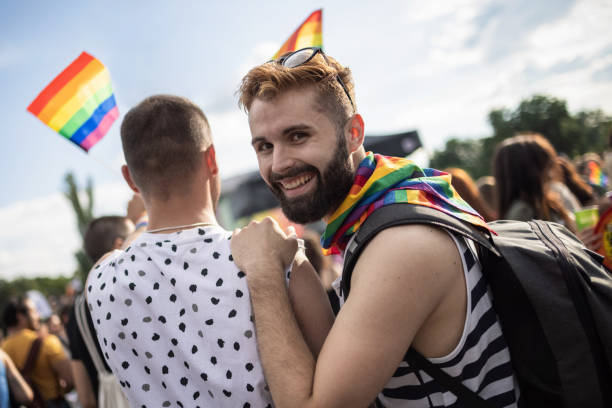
(204, 376)
(167, 261)
(239, 293)
(213, 360)
(125, 365)
(232, 313)
(194, 349)
(228, 374)
(184, 381)
(165, 369)
(219, 282)
(174, 341)
(204, 272)
(185, 266)
(241, 274)
(214, 300)
(193, 288)
(220, 342)
(236, 346)
(149, 299)
(249, 366)
(250, 388)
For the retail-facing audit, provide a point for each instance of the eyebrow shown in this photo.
(286, 131)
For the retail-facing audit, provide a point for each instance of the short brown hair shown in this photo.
(162, 138)
(268, 80)
(102, 232)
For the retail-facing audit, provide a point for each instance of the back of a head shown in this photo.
(522, 165)
(163, 137)
(102, 233)
(11, 309)
(268, 80)
(467, 189)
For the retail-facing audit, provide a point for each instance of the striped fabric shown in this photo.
(79, 103)
(308, 34)
(383, 180)
(481, 360)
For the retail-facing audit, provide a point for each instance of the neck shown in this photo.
(179, 212)
(355, 158)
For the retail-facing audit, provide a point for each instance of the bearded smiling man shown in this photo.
(413, 286)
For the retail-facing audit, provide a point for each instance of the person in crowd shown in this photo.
(172, 311)
(488, 191)
(51, 373)
(468, 190)
(13, 387)
(572, 179)
(524, 168)
(590, 167)
(410, 286)
(102, 235)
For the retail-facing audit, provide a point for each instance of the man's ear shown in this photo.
(117, 243)
(355, 132)
(211, 160)
(128, 178)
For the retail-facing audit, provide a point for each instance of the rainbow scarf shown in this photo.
(383, 180)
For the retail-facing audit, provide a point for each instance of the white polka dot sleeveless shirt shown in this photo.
(174, 320)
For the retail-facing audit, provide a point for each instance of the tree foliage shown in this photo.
(572, 135)
(84, 215)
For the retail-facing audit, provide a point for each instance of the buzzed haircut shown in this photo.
(163, 137)
(102, 233)
(268, 80)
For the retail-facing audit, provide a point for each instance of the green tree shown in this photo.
(84, 215)
(586, 131)
(461, 153)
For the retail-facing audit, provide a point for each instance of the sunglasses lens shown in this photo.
(298, 58)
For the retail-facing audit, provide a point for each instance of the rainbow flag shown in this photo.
(79, 103)
(596, 176)
(308, 34)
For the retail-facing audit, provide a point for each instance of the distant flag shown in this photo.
(596, 176)
(79, 103)
(308, 34)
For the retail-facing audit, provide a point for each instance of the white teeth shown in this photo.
(296, 182)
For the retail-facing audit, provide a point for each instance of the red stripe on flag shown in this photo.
(59, 82)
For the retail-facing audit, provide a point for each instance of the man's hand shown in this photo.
(262, 247)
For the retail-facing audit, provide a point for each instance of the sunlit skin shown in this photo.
(294, 141)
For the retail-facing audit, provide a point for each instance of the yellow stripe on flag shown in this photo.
(75, 103)
(64, 95)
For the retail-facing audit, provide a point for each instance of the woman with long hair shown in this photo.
(468, 190)
(524, 167)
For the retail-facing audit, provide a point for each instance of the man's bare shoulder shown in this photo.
(417, 251)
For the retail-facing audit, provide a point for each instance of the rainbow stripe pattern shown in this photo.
(79, 103)
(596, 176)
(383, 180)
(308, 34)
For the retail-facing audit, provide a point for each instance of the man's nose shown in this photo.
(282, 160)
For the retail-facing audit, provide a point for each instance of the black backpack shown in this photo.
(553, 298)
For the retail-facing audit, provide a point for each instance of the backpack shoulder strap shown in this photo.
(466, 396)
(32, 356)
(80, 309)
(402, 214)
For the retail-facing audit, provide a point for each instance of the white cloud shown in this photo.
(43, 234)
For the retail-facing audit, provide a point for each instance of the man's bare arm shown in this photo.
(64, 373)
(19, 388)
(310, 304)
(83, 385)
(397, 284)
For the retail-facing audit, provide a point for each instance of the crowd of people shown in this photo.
(186, 313)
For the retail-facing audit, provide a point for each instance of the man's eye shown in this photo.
(263, 147)
(296, 137)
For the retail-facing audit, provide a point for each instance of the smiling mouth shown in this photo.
(295, 182)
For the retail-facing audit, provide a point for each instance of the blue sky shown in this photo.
(438, 68)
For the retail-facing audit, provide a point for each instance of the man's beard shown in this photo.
(332, 187)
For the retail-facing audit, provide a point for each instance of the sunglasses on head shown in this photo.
(300, 57)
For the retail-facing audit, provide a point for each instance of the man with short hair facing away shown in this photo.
(51, 371)
(172, 311)
(412, 286)
(103, 234)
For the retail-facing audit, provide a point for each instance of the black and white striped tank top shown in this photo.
(481, 359)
